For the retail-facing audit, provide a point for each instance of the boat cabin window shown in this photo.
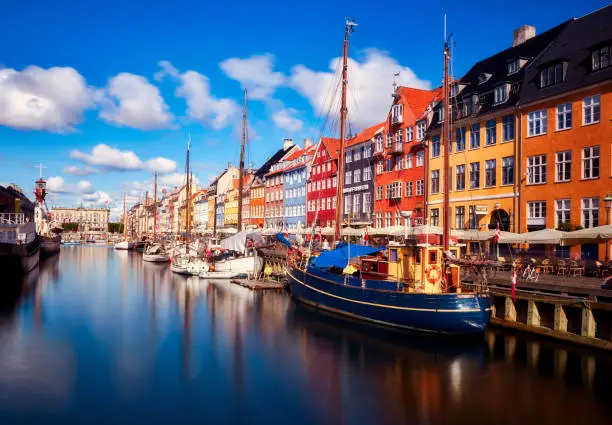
(393, 255)
(417, 256)
(433, 257)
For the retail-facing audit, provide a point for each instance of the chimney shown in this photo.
(522, 34)
(307, 142)
(287, 143)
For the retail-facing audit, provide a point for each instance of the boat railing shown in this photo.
(12, 219)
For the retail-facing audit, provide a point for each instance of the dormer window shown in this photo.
(396, 113)
(500, 94)
(600, 58)
(484, 77)
(552, 74)
(514, 66)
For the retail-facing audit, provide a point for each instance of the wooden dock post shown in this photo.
(510, 313)
(533, 314)
(560, 318)
(588, 322)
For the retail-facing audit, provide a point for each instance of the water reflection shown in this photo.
(99, 333)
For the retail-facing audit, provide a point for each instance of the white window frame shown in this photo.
(591, 161)
(535, 119)
(564, 116)
(409, 133)
(357, 176)
(421, 127)
(563, 164)
(591, 109)
(539, 163)
(563, 209)
(420, 187)
(420, 158)
(500, 94)
(589, 212)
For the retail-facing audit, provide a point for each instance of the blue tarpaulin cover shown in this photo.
(340, 256)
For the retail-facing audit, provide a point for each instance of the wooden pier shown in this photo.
(259, 285)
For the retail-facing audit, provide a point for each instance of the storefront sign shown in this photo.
(482, 210)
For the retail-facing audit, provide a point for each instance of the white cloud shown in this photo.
(176, 179)
(57, 185)
(53, 99)
(370, 85)
(201, 104)
(255, 74)
(105, 156)
(80, 171)
(97, 199)
(285, 119)
(132, 101)
(161, 165)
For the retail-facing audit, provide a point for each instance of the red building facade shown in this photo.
(321, 200)
(399, 159)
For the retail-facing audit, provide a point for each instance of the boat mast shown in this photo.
(124, 219)
(187, 191)
(146, 213)
(154, 205)
(349, 27)
(241, 170)
(446, 128)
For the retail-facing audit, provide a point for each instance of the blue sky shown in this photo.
(104, 92)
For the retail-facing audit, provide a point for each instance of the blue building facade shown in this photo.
(295, 176)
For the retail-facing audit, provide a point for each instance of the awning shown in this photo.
(351, 231)
(237, 242)
(545, 237)
(340, 256)
(482, 235)
(592, 234)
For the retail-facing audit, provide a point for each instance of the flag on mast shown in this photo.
(366, 236)
(497, 234)
(514, 279)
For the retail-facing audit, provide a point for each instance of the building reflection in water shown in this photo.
(136, 337)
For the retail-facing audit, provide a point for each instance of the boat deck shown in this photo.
(258, 285)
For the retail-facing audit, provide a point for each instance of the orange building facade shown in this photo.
(256, 203)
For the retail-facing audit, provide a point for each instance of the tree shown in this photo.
(115, 227)
(70, 227)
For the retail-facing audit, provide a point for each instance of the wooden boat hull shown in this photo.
(156, 258)
(49, 247)
(124, 245)
(449, 313)
(18, 260)
(221, 275)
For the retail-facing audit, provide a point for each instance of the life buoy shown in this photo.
(433, 273)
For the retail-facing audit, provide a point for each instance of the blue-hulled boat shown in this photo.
(406, 302)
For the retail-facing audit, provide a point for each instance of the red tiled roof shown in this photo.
(419, 99)
(366, 134)
(332, 145)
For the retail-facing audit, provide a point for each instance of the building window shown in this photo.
(600, 58)
(459, 217)
(379, 193)
(420, 158)
(409, 188)
(409, 160)
(347, 205)
(409, 134)
(514, 66)
(460, 177)
(389, 164)
(379, 167)
(389, 140)
(536, 169)
(435, 217)
(356, 203)
(435, 146)
(357, 154)
(474, 175)
(564, 166)
(399, 136)
(562, 210)
(508, 127)
(367, 151)
(435, 181)
(590, 212)
(491, 136)
(564, 116)
(394, 190)
(460, 139)
(396, 113)
(388, 219)
(490, 173)
(473, 219)
(421, 130)
(398, 163)
(475, 136)
(590, 162)
(538, 122)
(348, 157)
(441, 112)
(348, 177)
(357, 176)
(508, 170)
(378, 220)
(591, 109)
(367, 174)
(420, 187)
(500, 94)
(366, 203)
(536, 212)
(379, 143)
(551, 75)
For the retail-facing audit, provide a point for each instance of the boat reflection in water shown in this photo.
(102, 334)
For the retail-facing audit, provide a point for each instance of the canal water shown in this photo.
(99, 336)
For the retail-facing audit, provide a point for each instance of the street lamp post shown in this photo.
(608, 206)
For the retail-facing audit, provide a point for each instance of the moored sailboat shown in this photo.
(416, 287)
(155, 252)
(125, 244)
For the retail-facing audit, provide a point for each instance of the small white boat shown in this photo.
(187, 266)
(124, 245)
(221, 275)
(155, 254)
(70, 243)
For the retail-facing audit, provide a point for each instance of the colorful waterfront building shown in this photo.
(256, 203)
(274, 186)
(359, 176)
(321, 199)
(399, 159)
(566, 132)
(220, 211)
(200, 210)
(295, 176)
(484, 150)
(230, 218)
